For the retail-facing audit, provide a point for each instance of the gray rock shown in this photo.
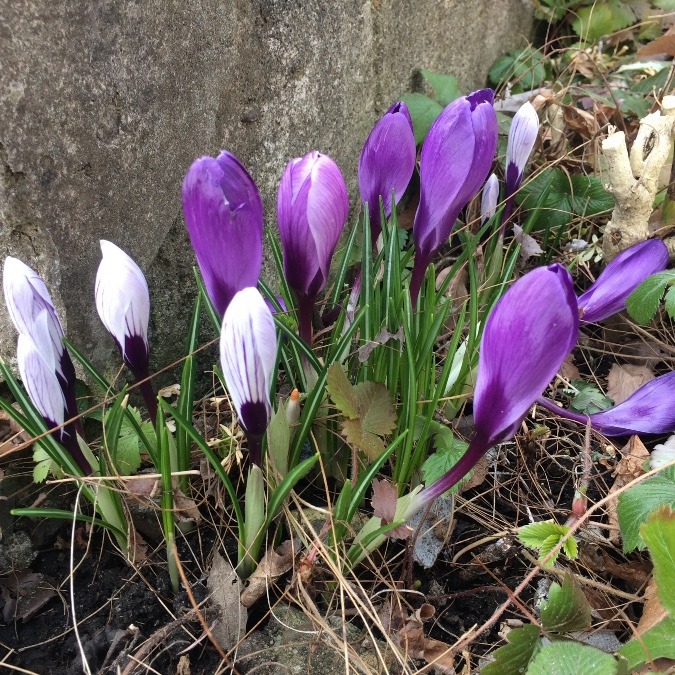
(104, 105)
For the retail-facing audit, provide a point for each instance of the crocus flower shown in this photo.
(386, 164)
(649, 410)
(527, 336)
(620, 278)
(224, 217)
(312, 208)
(489, 199)
(522, 137)
(123, 304)
(37, 367)
(248, 346)
(455, 160)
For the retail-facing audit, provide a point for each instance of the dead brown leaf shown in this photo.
(568, 371)
(624, 380)
(664, 44)
(25, 594)
(529, 248)
(271, 567)
(224, 586)
(383, 501)
(185, 508)
(653, 611)
(412, 640)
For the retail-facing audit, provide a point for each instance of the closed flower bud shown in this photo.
(490, 199)
(224, 218)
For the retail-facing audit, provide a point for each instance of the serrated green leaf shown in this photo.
(669, 302)
(602, 19)
(42, 463)
(659, 535)
(589, 399)
(526, 68)
(522, 644)
(659, 643)
(565, 657)
(341, 391)
(566, 609)
(636, 504)
(544, 537)
(449, 450)
(423, 112)
(643, 302)
(445, 86)
(128, 457)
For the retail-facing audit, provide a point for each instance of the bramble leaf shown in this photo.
(659, 643)
(566, 657)
(643, 302)
(522, 644)
(566, 609)
(545, 536)
(588, 398)
(659, 535)
(449, 450)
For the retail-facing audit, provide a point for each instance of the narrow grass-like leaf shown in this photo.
(62, 514)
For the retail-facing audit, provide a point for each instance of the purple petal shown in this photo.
(312, 208)
(650, 410)
(620, 278)
(490, 198)
(248, 346)
(527, 336)
(387, 163)
(123, 303)
(522, 137)
(224, 217)
(455, 161)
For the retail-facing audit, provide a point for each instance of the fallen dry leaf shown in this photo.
(271, 567)
(383, 502)
(653, 611)
(568, 371)
(528, 245)
(624, 380)
(224, 585)
(25, 594)
(185, 508)
(664, 44)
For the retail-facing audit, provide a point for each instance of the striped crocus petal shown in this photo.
(455, 161)
(387, 163)
(649, 410)
(620, 278)
(224, 218)
(527, 336)
(489, 199)
(522, 137)
(248, 346)
(312, 208)
(123, 304)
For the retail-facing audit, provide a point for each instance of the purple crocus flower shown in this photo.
(522, 137)
(649, 410)
(527, 336)
(620, 278)
(248, 347)
(224, 217)
(123, 304)
(387, 163)
(489, 199)
(312, 208)
(455, 160)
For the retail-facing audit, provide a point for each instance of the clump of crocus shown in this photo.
(45, 366)
(620, 278)
(386, 164)
(224, 218)
(522, 137)
(489, 198)
(649, 410)
(248, 347)
(312, 208)
(123, 304)
(527, 336)
(455, 161)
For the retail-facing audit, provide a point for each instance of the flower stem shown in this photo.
(305, 311)
(255, 448)
(145, 386)
(547, 404)
(419, 268)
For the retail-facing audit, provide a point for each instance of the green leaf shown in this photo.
(565, 657)
(588, 398)
(643, 302)
(566, 608)
(42, 464)
(445, 86)
(544, 537)
(527, 68)
(341, 391)
(423, 112)
(279, 439)
(659, 535)
(523, 644)
(636, 504)
(602, 19)
(449, 450)
(668, 5)
(669, 302)
(566, 198)
(659, 643)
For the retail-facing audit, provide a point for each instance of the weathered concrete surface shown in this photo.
(103, 106)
